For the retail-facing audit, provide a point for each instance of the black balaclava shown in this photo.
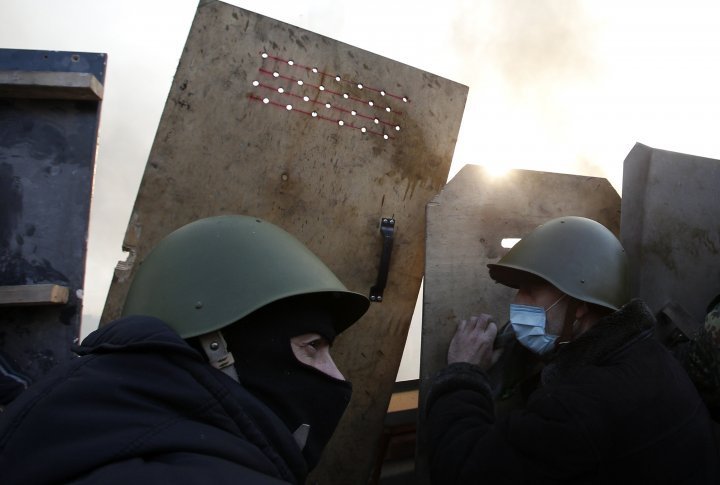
(297, 393)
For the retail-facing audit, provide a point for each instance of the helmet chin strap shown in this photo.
(568, 326)
(215, 348)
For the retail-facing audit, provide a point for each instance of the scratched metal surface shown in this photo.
(47, 159)
(671, 228)
(466, 223)
(221, 148)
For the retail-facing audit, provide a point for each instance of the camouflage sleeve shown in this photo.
(702, 361)
(712, 324)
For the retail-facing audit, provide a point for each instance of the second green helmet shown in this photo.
(579, 256)
(212, 272)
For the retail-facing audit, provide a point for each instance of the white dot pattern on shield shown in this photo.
(348, 103)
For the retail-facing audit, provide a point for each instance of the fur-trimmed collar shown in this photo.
(610, 335)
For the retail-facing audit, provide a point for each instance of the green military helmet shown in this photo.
(579, 256)
(215, 271)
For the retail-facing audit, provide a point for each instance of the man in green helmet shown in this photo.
(218, 372)
(612, 405)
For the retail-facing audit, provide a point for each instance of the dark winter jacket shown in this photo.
(614, 407)
(141, 406)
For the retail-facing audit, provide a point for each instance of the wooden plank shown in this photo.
(33, 295)
(221, 149)
(50, 85)
(402, 401)
(466, 223)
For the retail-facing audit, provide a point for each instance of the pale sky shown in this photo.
(555, 85)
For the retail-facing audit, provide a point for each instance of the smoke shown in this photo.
(531, 66)
(537, 43)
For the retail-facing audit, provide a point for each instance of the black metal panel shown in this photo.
(47, 159)
(54, 61)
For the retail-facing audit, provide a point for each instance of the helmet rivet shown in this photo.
(214, 346)
(198, 305)
(582, 281)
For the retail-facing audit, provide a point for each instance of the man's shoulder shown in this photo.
(135, 332)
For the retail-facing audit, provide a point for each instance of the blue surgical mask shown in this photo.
(529, 322)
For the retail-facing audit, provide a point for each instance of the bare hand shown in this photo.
(473, 342)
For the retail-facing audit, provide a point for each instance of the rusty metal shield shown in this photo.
(326, 141)
(670, 228)
(466, 225)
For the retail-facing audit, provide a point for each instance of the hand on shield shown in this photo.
(473, 342)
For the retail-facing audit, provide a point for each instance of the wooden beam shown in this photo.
(402, 401)
(80, 86)
(33, 295)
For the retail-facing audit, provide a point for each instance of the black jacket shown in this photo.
(614, 407)
(141, 406)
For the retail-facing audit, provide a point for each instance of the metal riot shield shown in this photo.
(467, 223)
(49, 115)
(670, 228)
(340, 147)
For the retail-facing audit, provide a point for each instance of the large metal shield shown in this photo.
(671, 228)
(49, 115)
(324, 140)
(466, 225)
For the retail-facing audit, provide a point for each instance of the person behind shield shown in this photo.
(612, 406)
(218, 372)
